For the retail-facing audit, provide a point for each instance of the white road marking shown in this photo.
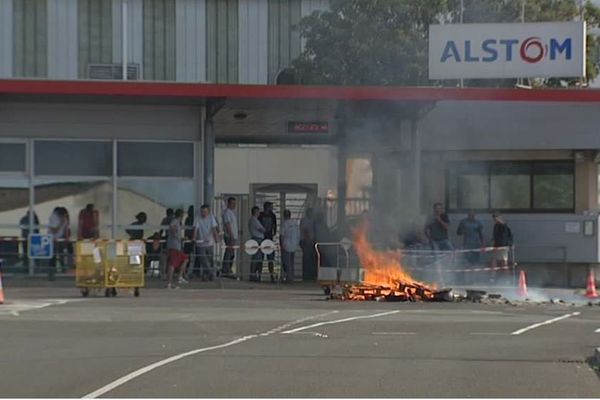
(16, 307)
(548, 322)
(490, 333)
(597, 330)
(123, 380)
(338, 321)
(393, 333)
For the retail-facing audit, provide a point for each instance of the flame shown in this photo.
(382, 268)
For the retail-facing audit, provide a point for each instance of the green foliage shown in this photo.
(384, 42)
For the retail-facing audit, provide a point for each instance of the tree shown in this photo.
(368, 42)
(384, 42)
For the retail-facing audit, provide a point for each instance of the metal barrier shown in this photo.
(338, 263)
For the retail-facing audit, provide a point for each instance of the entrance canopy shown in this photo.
(287, 114)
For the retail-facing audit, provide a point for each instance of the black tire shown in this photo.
(136, 292)
(114, 292)
(107, 292)
(85, 292)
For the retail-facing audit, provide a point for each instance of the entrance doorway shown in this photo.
(296, 197)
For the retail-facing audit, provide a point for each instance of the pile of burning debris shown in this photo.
(385, 279)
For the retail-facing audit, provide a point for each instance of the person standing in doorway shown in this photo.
(230, 235)
(268, 220)
(177, 259)
(437, 229)
(88, 223)
(257, 233)
(307, 243)
(58, 227)
(205, 237)
(289, 240)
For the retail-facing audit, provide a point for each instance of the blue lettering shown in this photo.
(493, 53)
(468, 57)
(556, 48)
(509, 43)
(450, 51)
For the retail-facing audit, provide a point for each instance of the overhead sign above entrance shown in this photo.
(530, 50)
(308, 127)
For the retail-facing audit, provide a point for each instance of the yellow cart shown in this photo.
(109, 265)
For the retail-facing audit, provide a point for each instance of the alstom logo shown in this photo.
(531, 50)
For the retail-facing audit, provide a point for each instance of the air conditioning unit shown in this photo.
(113, 71)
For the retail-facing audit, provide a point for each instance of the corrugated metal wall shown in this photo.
(6, 39)
(95, 33)
(135, 33)
(222, 41)
(284, 37)
(159, 40)
(253, 41)
(190, 40)
(228, 41)
(62, 39)
(30, 45)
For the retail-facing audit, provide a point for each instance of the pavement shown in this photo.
(262, 340)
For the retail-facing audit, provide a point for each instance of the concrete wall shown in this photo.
(236, 168)
(486, 125)
(101, 121)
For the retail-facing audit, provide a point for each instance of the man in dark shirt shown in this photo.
(503, 240)
(437, 229)
(137, 233)
(268, 220)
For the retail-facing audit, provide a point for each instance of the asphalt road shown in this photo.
(289, 342)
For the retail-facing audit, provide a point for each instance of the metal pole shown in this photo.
(114, 191)
(124, 43)
(416, 162)
(31, 263)
(462, 11)
(208, 158)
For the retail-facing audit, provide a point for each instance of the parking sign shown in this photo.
(40, 246)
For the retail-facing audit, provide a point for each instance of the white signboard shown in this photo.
(530, 50)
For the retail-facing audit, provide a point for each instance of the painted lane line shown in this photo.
(490, 333)
(548, 322)
(393, 333)
(129, 377)
(597, 330)
(339, 321)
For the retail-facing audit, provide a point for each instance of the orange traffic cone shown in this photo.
(522, 291)
(1, 290)
(590, 289)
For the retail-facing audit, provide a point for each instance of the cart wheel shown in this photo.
(107, 292)
(85, 292)
(327, 290)
(136, 292)
(114, 292)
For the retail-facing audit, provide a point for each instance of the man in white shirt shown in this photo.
(289, 238)
(230, 228)
(206, 236)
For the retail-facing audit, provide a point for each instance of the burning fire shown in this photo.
(384, 275)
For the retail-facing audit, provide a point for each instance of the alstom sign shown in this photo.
(507, 50)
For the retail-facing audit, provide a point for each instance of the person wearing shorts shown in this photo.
(176, 259)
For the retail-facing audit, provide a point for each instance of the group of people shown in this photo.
(471, 229)
(198, 235)
(59, 227)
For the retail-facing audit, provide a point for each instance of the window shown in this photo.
(515, 186)
(510, 186)
(553, 185)
(73, 158)
(156, 159)
(12, 157)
